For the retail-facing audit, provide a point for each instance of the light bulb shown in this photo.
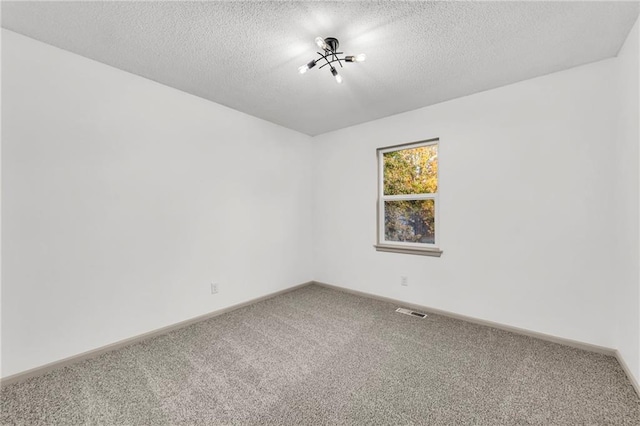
(307, 67)
(361, 57)
(321, 44)
(336, 75)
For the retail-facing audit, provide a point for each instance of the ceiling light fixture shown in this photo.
(329, 55)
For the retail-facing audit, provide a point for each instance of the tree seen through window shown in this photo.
(410, 182)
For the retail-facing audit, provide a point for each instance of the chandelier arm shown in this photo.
(325, 58)
(330, 62)
(337, 58)
(333, 54)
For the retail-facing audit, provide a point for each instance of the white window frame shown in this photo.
(424, 249)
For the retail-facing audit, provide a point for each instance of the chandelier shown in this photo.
(329, 55)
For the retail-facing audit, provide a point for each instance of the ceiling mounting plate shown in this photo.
(333, 43)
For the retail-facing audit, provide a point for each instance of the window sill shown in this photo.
(409, 250)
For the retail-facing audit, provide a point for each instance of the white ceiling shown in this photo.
(245, 55)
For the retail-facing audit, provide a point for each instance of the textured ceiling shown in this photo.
(245, 55)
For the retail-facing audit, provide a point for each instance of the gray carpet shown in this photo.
(317, 356)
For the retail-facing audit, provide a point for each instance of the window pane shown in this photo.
(410, 221)
(411, 171)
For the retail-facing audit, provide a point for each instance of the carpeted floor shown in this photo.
(319, 356)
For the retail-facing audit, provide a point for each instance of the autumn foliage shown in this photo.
(411, 172)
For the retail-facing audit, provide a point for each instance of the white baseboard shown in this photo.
(560, 340)
(548, 337)
(37, 371)
(627, 371)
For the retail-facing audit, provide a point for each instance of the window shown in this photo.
(408, 198)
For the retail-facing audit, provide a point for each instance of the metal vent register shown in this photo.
(412, 313)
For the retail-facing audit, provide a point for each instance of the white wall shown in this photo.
(123, 199)
(526, 214)
(626, 202)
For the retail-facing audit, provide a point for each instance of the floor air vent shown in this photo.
(412, 313)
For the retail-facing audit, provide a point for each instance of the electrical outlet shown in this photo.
(214, 288)
(404, 281)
